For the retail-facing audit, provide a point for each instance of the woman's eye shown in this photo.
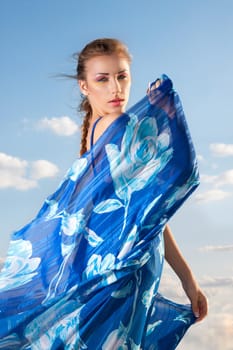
(122, 76)
(102, 79)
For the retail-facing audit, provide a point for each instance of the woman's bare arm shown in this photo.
(176, 260)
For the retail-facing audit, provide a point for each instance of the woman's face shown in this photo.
(107, 84)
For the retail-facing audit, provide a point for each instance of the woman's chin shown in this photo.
(118, 110)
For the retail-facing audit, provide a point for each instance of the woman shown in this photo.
(107, 95)
(90, 262)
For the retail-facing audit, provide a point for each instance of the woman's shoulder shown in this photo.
(101, 125)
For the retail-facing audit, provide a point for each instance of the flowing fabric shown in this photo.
(84, 274)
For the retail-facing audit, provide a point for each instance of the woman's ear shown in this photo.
(83, 87)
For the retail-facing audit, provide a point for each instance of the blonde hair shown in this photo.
(98, 47)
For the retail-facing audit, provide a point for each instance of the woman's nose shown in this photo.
(116, 86)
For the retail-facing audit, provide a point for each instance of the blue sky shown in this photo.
(39, 137)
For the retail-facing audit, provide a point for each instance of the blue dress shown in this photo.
(85, 273)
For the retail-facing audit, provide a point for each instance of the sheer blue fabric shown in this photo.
(85, 273)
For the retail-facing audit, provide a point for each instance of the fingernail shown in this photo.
(196, 314)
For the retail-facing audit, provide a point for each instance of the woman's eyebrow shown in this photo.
(121, 71)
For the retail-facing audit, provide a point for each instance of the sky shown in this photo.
(190, 41)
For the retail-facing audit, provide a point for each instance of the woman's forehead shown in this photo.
(107, 64)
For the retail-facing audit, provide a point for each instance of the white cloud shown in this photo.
(225, 178)
(63, 126)
(214, 333)
(223, 248)
(212, 195)
(213, 282)
(12, 163)
(221, 149)
(209, 179)
(15, 172)
(42, 168)
(217, 181)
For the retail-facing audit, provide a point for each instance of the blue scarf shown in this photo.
(84, 274)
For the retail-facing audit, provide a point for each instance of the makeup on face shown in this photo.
(108, 84)
(103, 77)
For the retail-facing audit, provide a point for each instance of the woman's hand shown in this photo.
(198, 299)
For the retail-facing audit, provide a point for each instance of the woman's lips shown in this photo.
(117, 102)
